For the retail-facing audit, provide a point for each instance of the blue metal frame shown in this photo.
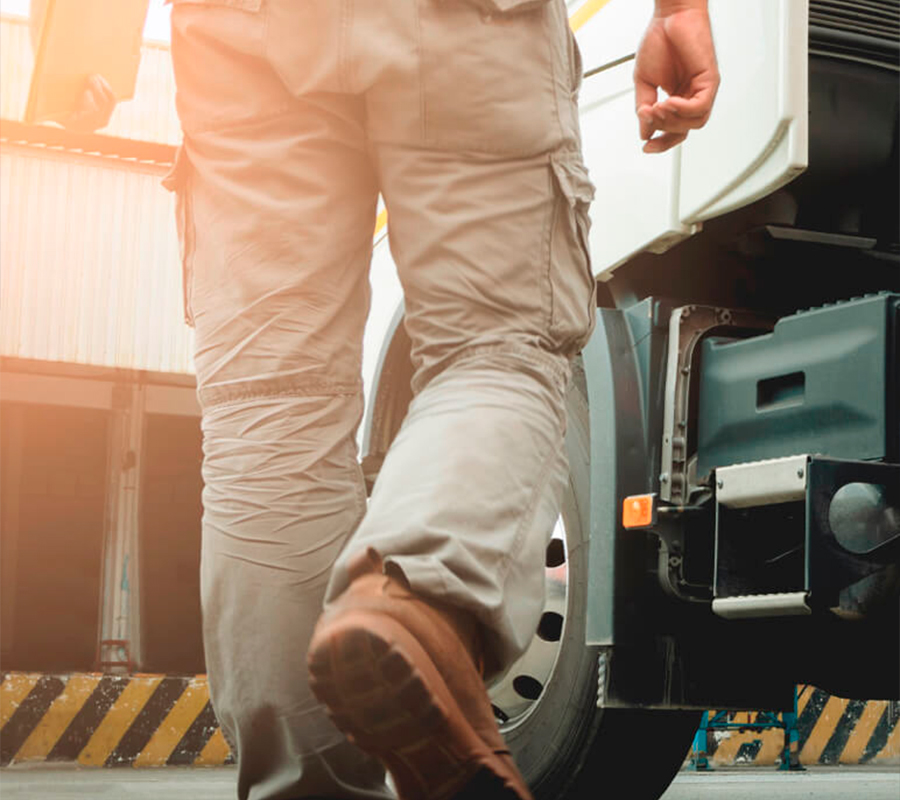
(765, 720)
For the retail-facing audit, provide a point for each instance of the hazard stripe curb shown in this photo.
(831, 731)
(155, 720)
(109, 720)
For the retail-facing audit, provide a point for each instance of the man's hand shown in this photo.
(94, 109)
(677, 55)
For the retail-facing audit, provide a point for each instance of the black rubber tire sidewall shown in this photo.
(567, 748)
(551, 743)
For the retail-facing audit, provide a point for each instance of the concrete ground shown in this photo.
(54, 782)
(767, 783)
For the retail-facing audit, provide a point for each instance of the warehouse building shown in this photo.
(101, 443)
(100, 429)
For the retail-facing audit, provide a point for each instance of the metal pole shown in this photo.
(699, 759)
(120, 646)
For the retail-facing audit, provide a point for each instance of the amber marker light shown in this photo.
(638, 511)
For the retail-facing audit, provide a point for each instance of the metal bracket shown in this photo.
(688, 325)
(762, 483)
(674, 530)
(782, 604)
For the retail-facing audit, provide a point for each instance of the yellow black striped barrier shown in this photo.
(109, 720)
(831, 730)
(154, 720)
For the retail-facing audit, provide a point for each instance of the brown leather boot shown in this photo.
(399, 677)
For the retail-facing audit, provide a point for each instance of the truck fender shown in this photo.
(619, 463)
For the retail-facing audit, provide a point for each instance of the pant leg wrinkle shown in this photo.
(257, 389)
(468, 521)
(543, 360)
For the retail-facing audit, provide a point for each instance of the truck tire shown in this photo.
(564, 745)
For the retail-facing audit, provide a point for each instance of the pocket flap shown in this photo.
(572, 177)
(175, 178)
(502, 7)
(512, 6)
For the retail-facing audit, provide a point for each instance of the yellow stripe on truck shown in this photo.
(380, 221)
(585, 12)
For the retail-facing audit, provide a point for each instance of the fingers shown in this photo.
(645, 100)
(678, 55)
(667, 141)
(697, 107)
(646, 121)
(675, 115)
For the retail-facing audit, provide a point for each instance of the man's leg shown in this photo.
(277, 206)
(487, 200)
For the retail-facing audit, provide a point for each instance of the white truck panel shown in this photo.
(607, 31)
(755, 141)
(636, 206)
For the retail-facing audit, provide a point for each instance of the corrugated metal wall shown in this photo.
(16, 61)
(90, 263)
(149, 117)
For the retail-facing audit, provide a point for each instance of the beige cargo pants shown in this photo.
(296, 114)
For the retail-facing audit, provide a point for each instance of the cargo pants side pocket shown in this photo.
(572, 284)
(178, 181)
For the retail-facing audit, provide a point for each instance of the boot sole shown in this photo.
(385, 694)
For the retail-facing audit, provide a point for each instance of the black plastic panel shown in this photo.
(822, 382)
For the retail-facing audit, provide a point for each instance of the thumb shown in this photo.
(645, 95)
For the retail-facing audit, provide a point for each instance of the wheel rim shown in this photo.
(516, 695)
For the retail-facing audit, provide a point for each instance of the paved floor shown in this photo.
(173, 783)
(761, 783)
